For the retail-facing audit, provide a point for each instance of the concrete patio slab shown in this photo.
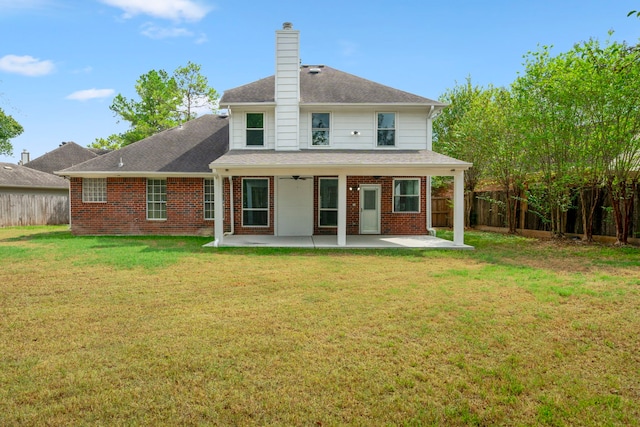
(330, 242)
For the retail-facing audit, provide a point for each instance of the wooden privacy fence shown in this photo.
(441, 212)
(34, 208)
(487, 213)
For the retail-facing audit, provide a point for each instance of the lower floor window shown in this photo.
(209, 211)
(94, 190)
(255, 202)
(406, 195)
(156, 199)
(328, 202)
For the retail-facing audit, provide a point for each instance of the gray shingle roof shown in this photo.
(186, 149)
(326, 86)
(65, 156)
(12, 175)
(331, 158)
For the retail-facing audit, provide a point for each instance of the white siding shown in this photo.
(287, 94)
(238, 128)
(411, 127)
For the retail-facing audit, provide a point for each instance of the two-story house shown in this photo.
(308, 151)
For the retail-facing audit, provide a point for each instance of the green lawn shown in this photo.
(148, 331)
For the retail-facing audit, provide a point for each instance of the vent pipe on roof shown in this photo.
(25, 157)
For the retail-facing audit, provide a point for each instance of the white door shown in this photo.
(369, 209)
(294, 205)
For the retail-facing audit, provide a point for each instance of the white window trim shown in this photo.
(328, 129)
(204, 201)
(93, 190)
(419, 195)
(165, 197)
(264, 130)
(320, 209)
(268, 208)
(375, 131)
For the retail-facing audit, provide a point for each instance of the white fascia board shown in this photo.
(248, 104)
(350, 170)
(134, 174)
(376, 105)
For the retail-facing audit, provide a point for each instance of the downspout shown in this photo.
(231, 213)
(430, 117)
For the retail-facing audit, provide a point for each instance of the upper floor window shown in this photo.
(386, 129)
(209, 206)
(94, 190)
(320, 128)
(156, 199)
(255, 129)
(406, 195)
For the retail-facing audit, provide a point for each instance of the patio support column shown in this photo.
(342, 210)
(218, 208)
(458, 208)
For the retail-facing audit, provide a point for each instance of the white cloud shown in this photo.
(26, 65)
(176, 10)
(85, 95)
(155, 32)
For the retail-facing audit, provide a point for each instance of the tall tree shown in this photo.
(9, 129)
(492, 124)
(452, 140)
(581, 107)
(195, 90)
(165, 102)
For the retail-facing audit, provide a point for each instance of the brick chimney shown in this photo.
(287, 88)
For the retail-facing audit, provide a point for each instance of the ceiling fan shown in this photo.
(297, 177)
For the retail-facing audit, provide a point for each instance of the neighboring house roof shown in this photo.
(186, 149)
(17, 176)
(336, 158)
(326, 85)
(67, 155)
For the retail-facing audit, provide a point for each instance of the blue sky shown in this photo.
(63, 61)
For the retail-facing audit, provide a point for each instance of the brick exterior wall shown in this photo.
(401, 223)
(125, 212)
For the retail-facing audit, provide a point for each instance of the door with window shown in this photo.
(369, 209)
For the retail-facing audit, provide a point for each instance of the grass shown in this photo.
(158, 330)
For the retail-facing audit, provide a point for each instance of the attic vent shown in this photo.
(314, 70)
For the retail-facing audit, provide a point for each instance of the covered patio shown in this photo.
(352, 242)
(340, 164)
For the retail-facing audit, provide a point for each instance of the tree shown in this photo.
(453, 141)
(165, 102)
(195, 90)
(581, 109)
(9, 128)
(492, 125)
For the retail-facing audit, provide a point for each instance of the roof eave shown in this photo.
(131, 174)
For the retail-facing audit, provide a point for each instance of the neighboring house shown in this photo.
(32, 197)
(66, 155)
(311, 150)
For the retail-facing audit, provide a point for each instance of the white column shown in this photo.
(342, 210)
(458, 208)
(218, 208)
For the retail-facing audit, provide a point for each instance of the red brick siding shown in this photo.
(237, 204)
(403, 223)
(125, 211)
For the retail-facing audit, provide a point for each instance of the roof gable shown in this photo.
(188, 148)
(326, 85)
(67, 155)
